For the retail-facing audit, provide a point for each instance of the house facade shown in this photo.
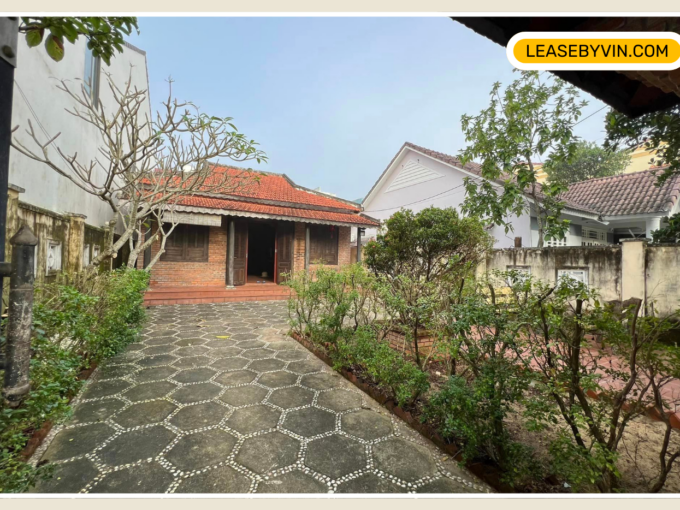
(67, 220)
(600, 211)
(256, 235)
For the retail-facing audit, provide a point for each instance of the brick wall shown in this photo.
(212, 272)
(299, 247)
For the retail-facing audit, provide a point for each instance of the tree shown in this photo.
(420, 258)
(147, 166)
(657, 132)
(669, 233)
(533, 117)
(104, 34)
(588, 162)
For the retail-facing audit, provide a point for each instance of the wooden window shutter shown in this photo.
(324, 244)
(187, 243)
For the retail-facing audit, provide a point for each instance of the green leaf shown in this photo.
(55, 47)
(34, 37)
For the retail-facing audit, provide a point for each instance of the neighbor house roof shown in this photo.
(609, 196)
(268, 195)
(626, 194)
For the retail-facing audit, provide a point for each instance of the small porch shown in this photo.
(255, 289)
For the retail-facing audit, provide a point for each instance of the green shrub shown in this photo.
(73, 325)
(386, 367)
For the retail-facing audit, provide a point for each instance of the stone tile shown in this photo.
(229, 363)
(225, 352)
(198, 416)
(148, 391)
(222, 479)
(201, 449)
(250, 344)
(277, 379)
(370, 483)
(335, 456)
(237, 377)
(324, 381)
(193, 375)
(258, 353)
(113, 371)
(196, 393)
(154, 361)
(366, 424)
(339, 400)
(247, 420)
(193, 350)
(306, 367)
(161, 333)
(77, 441)
(267, 365)
(243, 395)
(68, 478)
(268, 452)
(309, 421)
(105, 388)
(193, 362)
(294, 482)
(160, 341)
(292, 355)
(145, 413)
(149, 478)
(294, 396)
(96, 411)
(159, 349)
(186, 342)
(403, 459)
(154, 374)
(136, 445)
(219, 343)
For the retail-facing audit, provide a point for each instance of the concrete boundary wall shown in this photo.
(632, 269)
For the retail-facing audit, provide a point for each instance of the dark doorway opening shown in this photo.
(261, 251)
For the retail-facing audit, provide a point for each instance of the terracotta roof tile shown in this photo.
(625, 194)
(225, 204)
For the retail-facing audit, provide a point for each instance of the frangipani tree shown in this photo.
(145, 166)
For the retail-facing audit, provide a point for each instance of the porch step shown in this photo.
(197, 295)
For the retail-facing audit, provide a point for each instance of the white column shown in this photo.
(652, 224)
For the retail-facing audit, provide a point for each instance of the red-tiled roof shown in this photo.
(268, 186)
(625, 194)
(225, 204)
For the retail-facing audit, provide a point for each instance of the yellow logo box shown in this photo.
(595, 50)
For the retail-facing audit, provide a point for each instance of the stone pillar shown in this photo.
(75, 243)
(13, 222)
(652, 224)
(633, 269)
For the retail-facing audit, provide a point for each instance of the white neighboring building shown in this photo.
(37, 98)
(601, 211)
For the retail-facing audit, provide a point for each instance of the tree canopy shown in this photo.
(658, 132)
(588, 162)
(532, 118)
(104, 34)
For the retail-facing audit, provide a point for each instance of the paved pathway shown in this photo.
(215, 398)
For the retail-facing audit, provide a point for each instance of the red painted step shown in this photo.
(195, 295)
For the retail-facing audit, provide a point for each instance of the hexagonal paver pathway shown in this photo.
(216, 398)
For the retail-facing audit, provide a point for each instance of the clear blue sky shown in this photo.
(331, 100)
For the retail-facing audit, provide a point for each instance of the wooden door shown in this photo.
(285, 235)
(240, 252)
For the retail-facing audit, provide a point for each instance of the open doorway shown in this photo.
(261, 250)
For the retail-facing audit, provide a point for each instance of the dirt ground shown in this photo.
(639, 458)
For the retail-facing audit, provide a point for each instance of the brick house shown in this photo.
(249, 239)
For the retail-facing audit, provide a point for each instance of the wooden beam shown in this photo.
(230, 253)
(307, 241)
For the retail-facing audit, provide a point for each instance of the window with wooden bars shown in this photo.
(187, 243)
(323, 247)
